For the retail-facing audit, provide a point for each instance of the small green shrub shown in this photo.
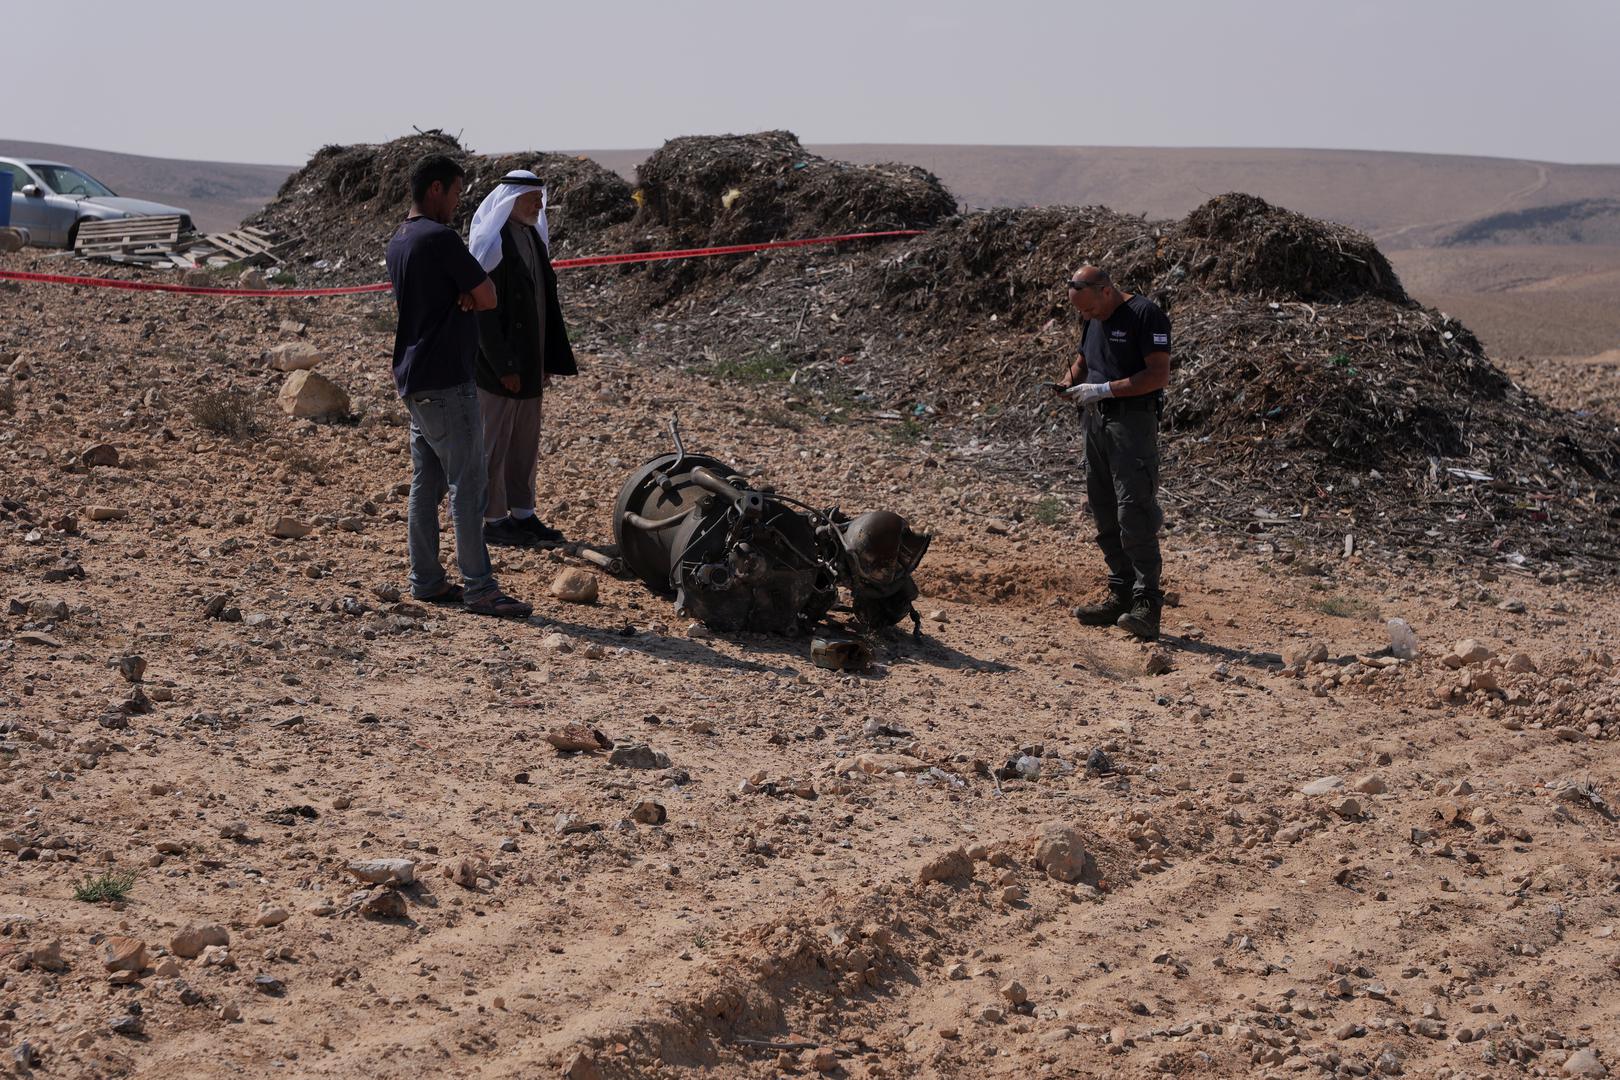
(1346, 607)
(231, 413)
(1051, 510)
(105, 888)
(758, 368)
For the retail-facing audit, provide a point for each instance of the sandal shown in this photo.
(501, 606)
(450, 594)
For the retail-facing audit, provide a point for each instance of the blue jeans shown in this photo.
(447, 453)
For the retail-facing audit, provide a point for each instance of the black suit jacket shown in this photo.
(508, 334)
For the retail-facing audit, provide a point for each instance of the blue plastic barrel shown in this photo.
(5, 198)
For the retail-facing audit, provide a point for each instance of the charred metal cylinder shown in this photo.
(740, 558)
(734, 558)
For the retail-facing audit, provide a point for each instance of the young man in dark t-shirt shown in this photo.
(437, 287)
(1118, 377)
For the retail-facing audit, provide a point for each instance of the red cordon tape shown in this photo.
(351, 290)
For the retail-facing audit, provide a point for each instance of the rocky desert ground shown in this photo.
(261, 816)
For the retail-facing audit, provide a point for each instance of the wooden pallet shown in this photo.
(126, 234)
(159, 241)
(248, 244)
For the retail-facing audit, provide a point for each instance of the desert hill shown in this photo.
(1402, 200)
(1523, 251)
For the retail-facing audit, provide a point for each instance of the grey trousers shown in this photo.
(447, 455)
(512, 451)
(1122, 485)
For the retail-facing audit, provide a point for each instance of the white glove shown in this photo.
(1087, 393)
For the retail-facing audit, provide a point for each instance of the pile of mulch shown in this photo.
(1240, 243)
(740, 189)
(343, 205)
(1310, 392)
(1013, 263)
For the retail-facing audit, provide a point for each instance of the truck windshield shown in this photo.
(67, 181)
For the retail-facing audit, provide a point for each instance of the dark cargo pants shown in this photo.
(1122, 484)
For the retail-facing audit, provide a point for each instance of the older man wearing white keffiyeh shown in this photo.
(522, 344)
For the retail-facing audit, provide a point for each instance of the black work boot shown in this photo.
(1104, 614)
(1142, 619)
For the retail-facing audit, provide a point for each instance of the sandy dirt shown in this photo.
(1446, 907)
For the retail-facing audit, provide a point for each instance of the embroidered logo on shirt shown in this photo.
(1161, 339)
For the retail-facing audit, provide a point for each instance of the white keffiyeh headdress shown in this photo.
(484, 239)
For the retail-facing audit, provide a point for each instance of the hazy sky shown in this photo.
(271, 82)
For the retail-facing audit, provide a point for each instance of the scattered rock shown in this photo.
(822, 1059)
(556, 643)
(582, 1067)
(638, 756)
(840, 653)
(951, 865)
(1303, 655)
(578, 737)
(649, 812)
(1347, 808)
(462, 872)
(1325, 785)
(124, 954)
(309, 396)
(1584, 1062)
(384, 904)
(271, 915)
(1059, 852)
(575, 586)
(46, 957)
(289, 528)
(1156, 662)
(34, 637)
(132, 668)
(190, 940)
(1520, 664)
(106, 513)
(294, 356)
(1470, 651)
(1372, 784)
(573, 823)
(103, 454)
(384, 871)
(218, 956)
(1014, 992)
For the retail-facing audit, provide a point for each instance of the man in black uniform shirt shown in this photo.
(1118, 377)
